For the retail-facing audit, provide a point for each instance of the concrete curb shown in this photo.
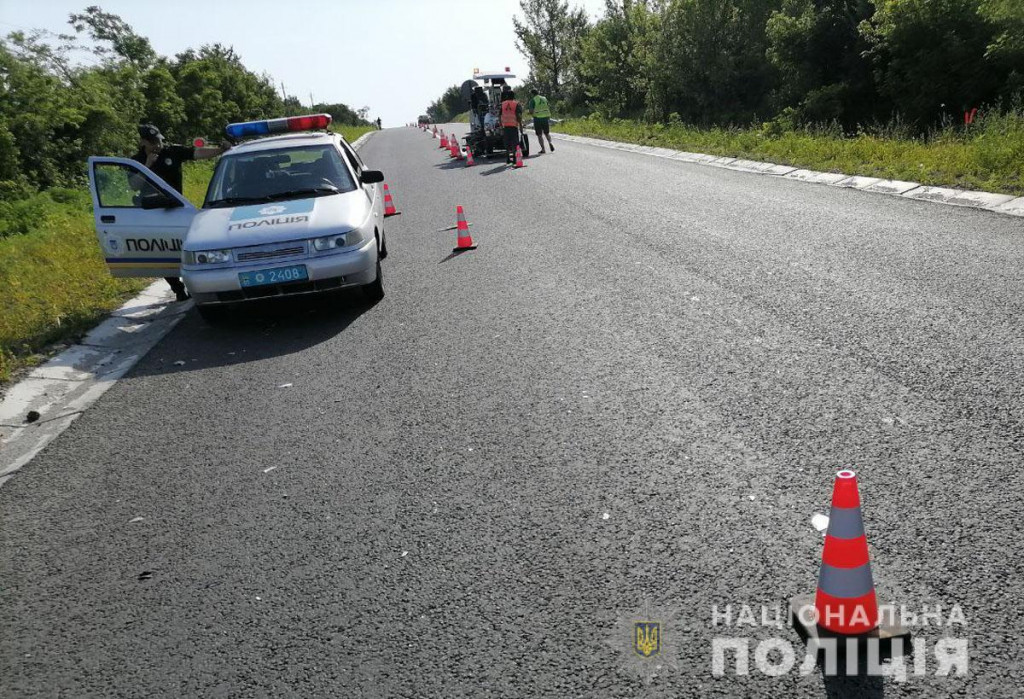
(61, 389)
(362, 140)
(1005, 204)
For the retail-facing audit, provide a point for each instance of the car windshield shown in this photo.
(276, 175)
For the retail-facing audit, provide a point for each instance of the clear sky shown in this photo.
(394, 56)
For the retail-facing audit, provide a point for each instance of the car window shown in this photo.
(353, 157)
(275, 173)
(121, 186)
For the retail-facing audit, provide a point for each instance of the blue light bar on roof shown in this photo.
(246, 129)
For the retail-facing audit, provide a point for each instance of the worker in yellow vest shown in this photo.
(541, 111)
(511, 123)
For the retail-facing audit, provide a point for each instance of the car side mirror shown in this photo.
(371, 176)
(160, 201)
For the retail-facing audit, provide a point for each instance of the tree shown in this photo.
(124, 42)
(341, 114)
(449, 105)
(1006, 50)
(550, 36)
(617, 58)
(164, 106)
(817, 48)
(929, 57)
(218, 89)
(710, 65)
(55, 113)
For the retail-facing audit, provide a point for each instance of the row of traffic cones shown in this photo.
(463, 238)
(456, 151)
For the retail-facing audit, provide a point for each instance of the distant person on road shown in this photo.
(511, 123)
(541, 111)
(378, 124)
(165, 160)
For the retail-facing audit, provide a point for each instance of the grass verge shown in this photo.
(54, 285)
(351, 133)
(987, 157)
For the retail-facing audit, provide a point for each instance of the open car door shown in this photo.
(141, 221)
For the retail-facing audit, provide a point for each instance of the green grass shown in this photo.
(351, 133)
(461, 118)
(989, 157)
(54, 285)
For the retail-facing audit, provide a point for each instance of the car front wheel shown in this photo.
(374, 291)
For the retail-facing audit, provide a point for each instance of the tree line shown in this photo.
(734, 62)
(446, 107)
(56, 110)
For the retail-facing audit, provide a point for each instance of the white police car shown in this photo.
(291, 214)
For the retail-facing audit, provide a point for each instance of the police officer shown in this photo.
(165, 160)
(511, 123)
(541, 111)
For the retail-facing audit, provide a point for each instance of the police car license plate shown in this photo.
(278, 275)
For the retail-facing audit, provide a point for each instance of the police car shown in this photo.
(294, 213)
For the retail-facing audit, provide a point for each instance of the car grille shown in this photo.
(269, 253)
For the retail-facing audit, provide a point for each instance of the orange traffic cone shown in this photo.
(444, 140)
(464, 240)
(845, 599)
(389, 204)
(845, 604)
(453, 148)
(519, 157)
(469, 157)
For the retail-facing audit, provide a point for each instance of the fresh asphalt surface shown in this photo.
(636, 391)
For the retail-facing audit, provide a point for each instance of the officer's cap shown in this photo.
(150, 133)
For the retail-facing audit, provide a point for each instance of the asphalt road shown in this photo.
(635, 393)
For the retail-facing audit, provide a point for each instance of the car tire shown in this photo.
(524, 143)
(214, 314)
(374, 291)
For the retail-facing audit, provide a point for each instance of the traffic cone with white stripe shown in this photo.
(845, 600)
(389, 204)
(464, 240)
(444, 140)
(845, 604)
(469, 157)
(519, 158)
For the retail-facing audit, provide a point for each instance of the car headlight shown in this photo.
(207, 257)
(330, 242)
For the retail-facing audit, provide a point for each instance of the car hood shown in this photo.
(280, 221)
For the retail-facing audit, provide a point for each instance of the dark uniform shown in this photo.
(168, 164)
(167, 167)
(479, 106)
